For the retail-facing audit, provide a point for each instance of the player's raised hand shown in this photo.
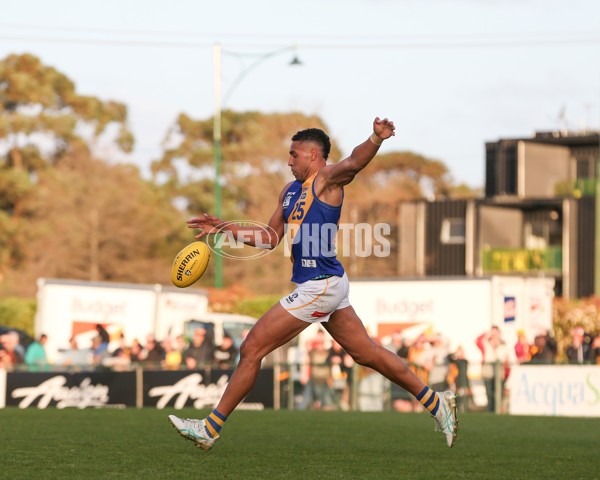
(206, 223)
(383, 128)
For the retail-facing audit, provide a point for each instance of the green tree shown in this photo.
(100, 222)
(42, 120)
(18, 313)
(254, 158)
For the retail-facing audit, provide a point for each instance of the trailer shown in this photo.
(72, 309)
(458, 308)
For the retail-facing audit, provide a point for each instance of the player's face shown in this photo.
(301, 158)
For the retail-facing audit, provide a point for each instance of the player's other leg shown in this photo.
(194, 430)
(347, 328)
(446, 418)
(273, 329)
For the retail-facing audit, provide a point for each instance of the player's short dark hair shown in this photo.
(314, 135)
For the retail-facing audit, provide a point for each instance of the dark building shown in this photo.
(537, 217)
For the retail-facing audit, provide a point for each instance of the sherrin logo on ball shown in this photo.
(190, 264)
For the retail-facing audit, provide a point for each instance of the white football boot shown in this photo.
(446, 420)
(194, 430)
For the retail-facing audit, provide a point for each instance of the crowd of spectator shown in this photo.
(583, 349)
(321, 369)
(170, 353)
(323, 374)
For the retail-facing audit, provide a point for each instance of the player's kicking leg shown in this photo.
(273, 329)
(345, 327)
(194, 430)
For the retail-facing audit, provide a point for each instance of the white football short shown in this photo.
(315, 300)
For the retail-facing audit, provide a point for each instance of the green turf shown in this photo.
(141, 444)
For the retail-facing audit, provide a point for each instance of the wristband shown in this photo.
(375, 140)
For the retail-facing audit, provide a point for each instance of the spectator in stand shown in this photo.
(341, 373)
(122, 361)
(104, 336)
(457, 372)
(153, 353)
(542, 350)
(300, 371)
(226, 354)
(522, 348)
(595, 350)
(74, 356)
(551, 344)
(418, 358)
(579, 350)
(200, 352)
(180, 344)
(493, 351)
(99, 351)
(5, 363)
(438, 362)
(35, 356)
(10, 342)
(122, 345)
(120, 358)
(402, 401)
(397, 344)
(371, 386)
(320, 373)
(173, 358)
(136, 351)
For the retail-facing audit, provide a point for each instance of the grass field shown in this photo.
(141, 444)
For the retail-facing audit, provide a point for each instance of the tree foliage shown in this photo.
(568, 314)
(43, 120)
(18, 313)
(63, 212)
(254, 157)
(100, 222)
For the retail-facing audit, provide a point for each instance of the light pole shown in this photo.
(217, 154)
(217, 130)
(597, 231)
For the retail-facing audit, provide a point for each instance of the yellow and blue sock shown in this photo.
(429, 399)
(214, 423)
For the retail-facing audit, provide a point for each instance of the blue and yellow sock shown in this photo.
(429, 399)
(214, 423)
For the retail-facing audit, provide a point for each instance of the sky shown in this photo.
(451, 74)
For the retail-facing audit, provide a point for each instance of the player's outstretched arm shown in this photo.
(343, 173)
(268, 237)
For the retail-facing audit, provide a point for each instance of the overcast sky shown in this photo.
(451, 74)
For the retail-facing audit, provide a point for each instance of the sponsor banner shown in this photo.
(160, 389)
(65, 389)
(202, 389)
(571, 391)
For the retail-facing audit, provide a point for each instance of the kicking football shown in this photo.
(190, 264)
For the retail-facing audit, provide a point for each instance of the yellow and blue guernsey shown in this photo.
(311, 226)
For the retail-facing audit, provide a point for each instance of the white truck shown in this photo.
(460, 309)
(72, 309)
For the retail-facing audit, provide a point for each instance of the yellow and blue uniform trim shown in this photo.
(214, 423)
(429, 399)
